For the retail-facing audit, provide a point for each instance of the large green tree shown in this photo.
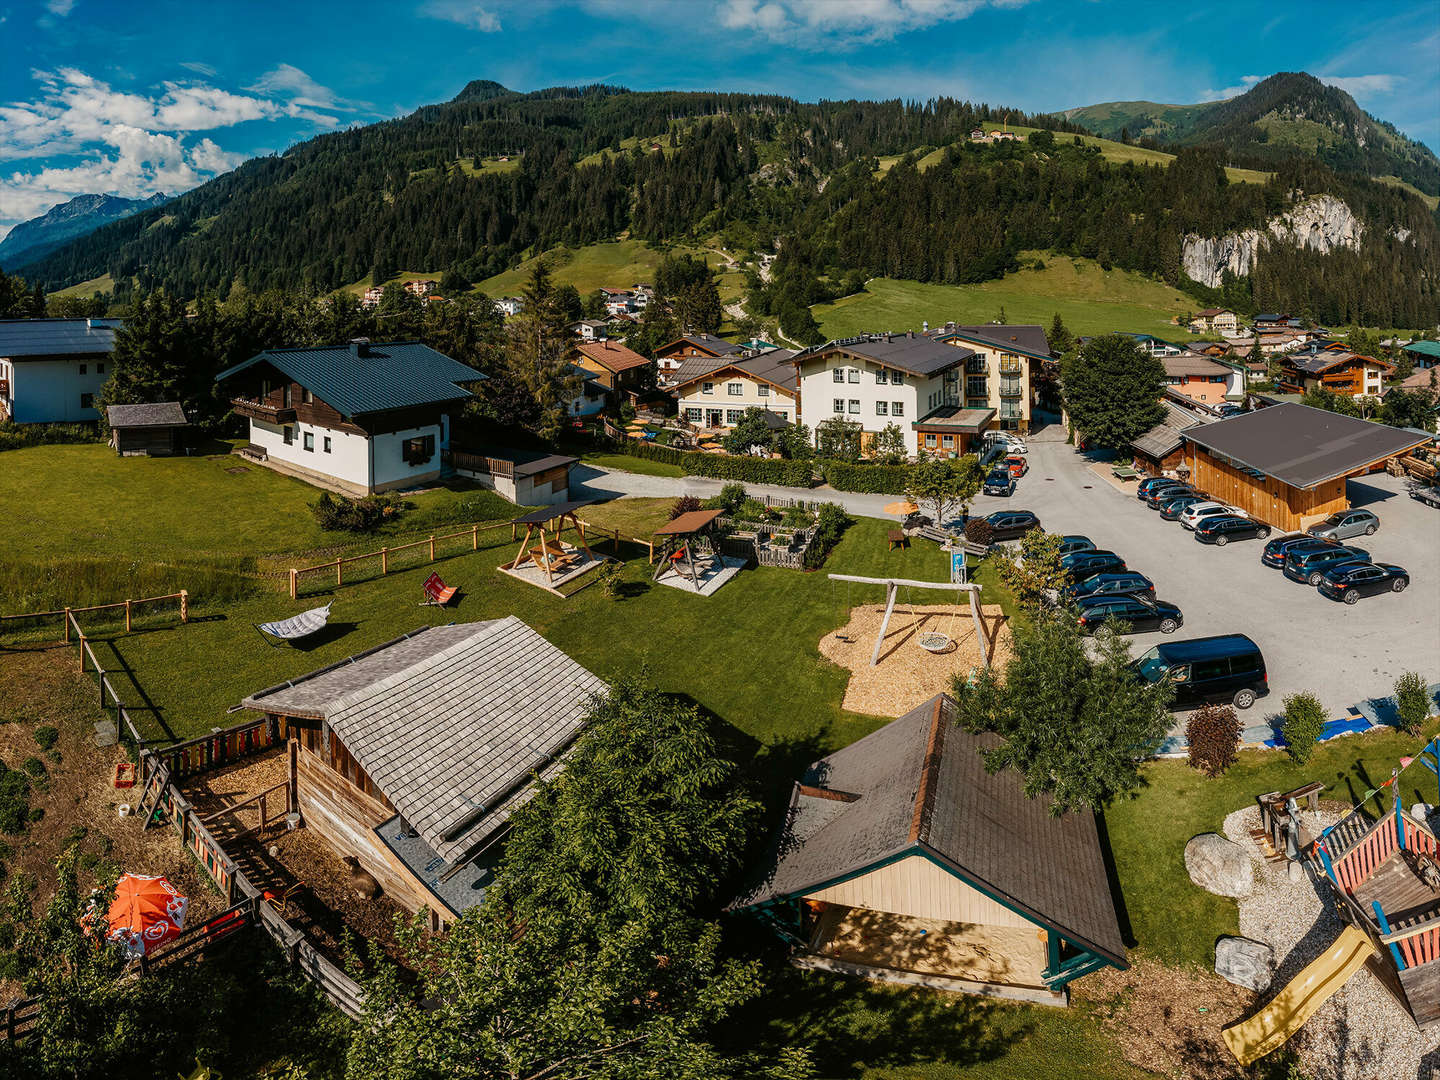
(1112, 389)
(1034, 574)
(1075, 728)
(538, 356)
(942, 486)
(159, 357)
(591, 956)
(1410, 408)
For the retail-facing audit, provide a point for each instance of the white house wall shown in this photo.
(753, 395)
(48, 391)
(818, 390)
(354, 461)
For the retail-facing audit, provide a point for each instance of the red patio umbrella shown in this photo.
(146, 913)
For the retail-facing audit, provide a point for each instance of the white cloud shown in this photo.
(289, 81)
(1362, 85)
(849, 21)
(1247, 82)
(59, 8)
(199, 68)
(471, 15)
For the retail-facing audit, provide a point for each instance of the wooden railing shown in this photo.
(221, 747)
(337, 565)
(129, 607)
(122, 714)
(19, 1018)
(482, 463)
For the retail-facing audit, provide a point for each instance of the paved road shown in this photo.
(608, 484)
(1343, 654)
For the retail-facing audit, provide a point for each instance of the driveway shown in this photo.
(1344, 654)
(595, 483)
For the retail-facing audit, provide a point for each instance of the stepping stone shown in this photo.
(106, 733)
(1245, 962)
(237, 469)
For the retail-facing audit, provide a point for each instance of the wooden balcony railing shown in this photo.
(262, 410)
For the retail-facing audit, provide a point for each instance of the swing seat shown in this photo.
(933, 642)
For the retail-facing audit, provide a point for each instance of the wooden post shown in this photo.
(889, 607)
(651, 557)
(292, 794)
(67, 635)
(432, 547)
(475, 537)
(127, 616)
(512, 531)
(339, 571)
(981, 635)
(184, 606)
(384, 561)
(82, 650)
(294, 583)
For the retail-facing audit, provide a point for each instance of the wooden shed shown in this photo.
(1286, 465)
(901, 859)
(156, 430)
(412, 756)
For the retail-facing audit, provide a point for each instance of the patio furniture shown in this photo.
(897, 538)
(437, 593)
(1125, 472)
(296, 627)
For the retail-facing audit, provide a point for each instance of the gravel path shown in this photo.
(1361, 1033)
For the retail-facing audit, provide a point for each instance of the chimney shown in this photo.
(359, 347)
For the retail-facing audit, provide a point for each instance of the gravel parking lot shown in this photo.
(1345, 654)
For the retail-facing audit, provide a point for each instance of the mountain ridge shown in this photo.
(63, 222)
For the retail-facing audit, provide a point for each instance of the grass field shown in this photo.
(618, 264)
(1090, 300)
(102, 284)
(1432, 201)
(629, 463)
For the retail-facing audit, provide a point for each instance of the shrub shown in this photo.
(756, 511)
(35, 767)
(339, 514)
(1412, 701)
(46, 737)
(729, 499)
(979, 531)
(685, 504)
(752, 470)
(1214, 734)
(868, 479)
(831, 523)
(1304, 722)
(20, 436)
(14, 800)
(798, 517)
(610, 579)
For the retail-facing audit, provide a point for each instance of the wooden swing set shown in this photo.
(931, 641)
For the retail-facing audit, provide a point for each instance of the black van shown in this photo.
(1205, 670)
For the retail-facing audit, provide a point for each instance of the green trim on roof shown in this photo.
(1425, 348)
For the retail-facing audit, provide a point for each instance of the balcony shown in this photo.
(1012, 388)
(262, 410)
(4, 388)
(976, 365)
(1011, 412)
(1010, 365)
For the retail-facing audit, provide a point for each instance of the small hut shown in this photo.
(155, 430)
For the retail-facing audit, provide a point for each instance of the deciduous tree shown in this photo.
(1112, 390)
(941, 486)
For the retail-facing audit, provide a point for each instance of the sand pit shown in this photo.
(907, 674)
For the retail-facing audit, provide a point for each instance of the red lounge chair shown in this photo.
(436, 591)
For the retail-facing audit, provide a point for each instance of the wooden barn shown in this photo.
(1286, 465)
(901, 859)
(412, 756)
(156, 430)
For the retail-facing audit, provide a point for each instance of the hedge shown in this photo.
(746, 469)
(868, 479)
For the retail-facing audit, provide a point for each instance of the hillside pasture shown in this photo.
(616, 264)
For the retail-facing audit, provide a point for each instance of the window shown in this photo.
(882, 408)
(1210, 669)
(419, 450)
(854, 405)
(976, 387)
(881, 377)
(763, 390)
(309, 441)
(947, 441)
(734, 416)
(838, 374)
(83, 369)
(288, 434)
(707, 388)
(735, 389)
(852, 374)
(897, 408)
(288, 402)
(306, 398)
(99, 369)
(896, 379)
(87, 401)
(839, 404)
(326, 443)
(692, 415)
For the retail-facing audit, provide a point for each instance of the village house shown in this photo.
(411, 757)
(589, 329)
(509, 305)
(620, 370)
(998, 375)
(1161, 450)
(619, 301)
(421, 287)
(370, 298)
(903, 860)
(1339, 370)
(715, 391)
(356, 418)
(1215, 321)
(909, 380)
(1203, 379)
(672, 354)
(51, 370)
(590, 399)
(1424, 354)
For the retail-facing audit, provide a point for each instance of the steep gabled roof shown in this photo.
(709, 342)
(1164, 437)
(774, 367)
(611, 355)
(1325, 359)
(365, 378)
(914, 354)
(22, 338)
(919, 785)
(1026, 339)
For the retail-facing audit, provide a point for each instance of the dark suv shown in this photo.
(1012, 524)
(1310, 566)
(999, 482)
(1080, 565)
(1142, 614)
(1163, 492)
(1123, 583)
(1221, 530)
(1276, 550)
(1211, 669)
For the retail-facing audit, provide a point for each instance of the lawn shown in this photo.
(102, 284)
(1090, 300)
(617, 264)
(630, 463)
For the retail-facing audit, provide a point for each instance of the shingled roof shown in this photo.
(158, 414)
(365, 377)
(914, 354)
(1164, 437)
(450, 722)
(24, 338)
(1026, 338)
(611, 355)
(919, 785)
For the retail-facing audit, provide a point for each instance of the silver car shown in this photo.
(1345, 524)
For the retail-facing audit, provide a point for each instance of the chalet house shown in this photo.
(156, 430)
(591, 398)
(589, 329)
(51, 370)
(356, 418)
(716, 391)
(412, 756)
(1215, 321)
(371, 297)
(509, 305)
(1203, 379)
(619, 301)
(423, 287)
(903, 860)
(618, 369)
(910, 380)
(998, 375)
(671, 355)
(1153, 345)
(1340, 370)
(1270, 320)
(1424, 354)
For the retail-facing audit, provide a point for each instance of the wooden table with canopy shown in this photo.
(549, 554)
(679, 536)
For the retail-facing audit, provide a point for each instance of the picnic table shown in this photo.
(1125, 472)
(558, 557)
(897, 538)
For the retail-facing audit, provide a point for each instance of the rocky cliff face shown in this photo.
(1320, 222)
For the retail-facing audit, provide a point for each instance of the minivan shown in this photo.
(1228, 667)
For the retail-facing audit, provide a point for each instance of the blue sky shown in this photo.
(130, 99)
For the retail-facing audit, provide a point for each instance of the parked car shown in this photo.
(1014, 443)
(1075, 543)
(1143, 614)
(1192, 515)
(1229, 409)
(1017, 465)
(1124, 583)
(1158, 494)
(1012, 524)
(999, 482)
(1310, 566)
(1276, 550)
(1079, 565)
(1350, 581)
(1344, 525)
(1172, 508)
(1151, 482)
(1222, 528)
(1228, 667)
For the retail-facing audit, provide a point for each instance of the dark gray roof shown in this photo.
(458, 887)
(371, 378)
(450, 723)
(21, 338)
(774, 366)
(1302, 446)
(524, 462)
(1164, 437)
(1323, 360)
(915, 355)
(969, 421)
(977, 824)
(551, 512)
(1027, 338)
(160, 414)
(713, 343)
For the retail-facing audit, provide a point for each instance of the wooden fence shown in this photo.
(129, 607)
(122, 714)
(220, 747)
(337, 566)
(19, 1018)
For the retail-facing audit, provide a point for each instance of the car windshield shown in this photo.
(1334, 519)
(1151, 667)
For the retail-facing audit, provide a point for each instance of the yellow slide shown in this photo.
(1287, 1012)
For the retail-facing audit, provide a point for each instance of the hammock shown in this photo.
(297, 626)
